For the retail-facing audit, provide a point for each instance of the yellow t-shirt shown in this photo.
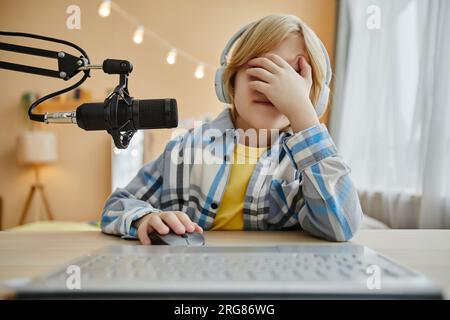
(230, 215)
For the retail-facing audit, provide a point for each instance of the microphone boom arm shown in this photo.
(69, 66)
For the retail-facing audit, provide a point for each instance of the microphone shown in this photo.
(120, 114)
(121, 117)
(140, 114)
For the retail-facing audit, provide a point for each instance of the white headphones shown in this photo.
(223, 96)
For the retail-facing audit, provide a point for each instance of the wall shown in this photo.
(79, 183)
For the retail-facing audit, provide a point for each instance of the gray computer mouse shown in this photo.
(173, 239)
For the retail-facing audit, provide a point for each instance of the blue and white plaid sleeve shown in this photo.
(140, 197)
(331, 207)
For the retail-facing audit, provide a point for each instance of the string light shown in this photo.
(138, 36)
(105, 8)
(172, 56)
(200, 71)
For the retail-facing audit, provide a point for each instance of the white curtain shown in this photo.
(391, 109)
(125, 163)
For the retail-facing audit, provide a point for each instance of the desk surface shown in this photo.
(27, 254)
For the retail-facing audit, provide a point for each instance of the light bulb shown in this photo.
(172, 56)
(117, 151)
(200, 71)
(105, 8)
(138, 36)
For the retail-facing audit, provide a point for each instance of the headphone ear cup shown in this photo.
(219, 87)
(323, 100)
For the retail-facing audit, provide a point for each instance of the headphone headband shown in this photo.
(233, 39)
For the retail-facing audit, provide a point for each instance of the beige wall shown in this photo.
(80, 182)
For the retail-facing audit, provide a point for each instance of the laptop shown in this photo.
(317, 271)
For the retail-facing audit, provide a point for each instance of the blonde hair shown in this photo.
(266, 34)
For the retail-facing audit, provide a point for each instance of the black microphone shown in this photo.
(120, 116)
(139, 114)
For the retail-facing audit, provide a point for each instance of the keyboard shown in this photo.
(235, 267)
(332, 270)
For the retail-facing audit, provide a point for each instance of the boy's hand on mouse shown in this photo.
(287, 89)
(163, 222)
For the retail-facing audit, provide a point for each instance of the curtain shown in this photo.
(391, 109)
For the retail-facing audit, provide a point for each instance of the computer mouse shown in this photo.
(173, 239)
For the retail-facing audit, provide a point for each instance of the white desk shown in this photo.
(28, 254)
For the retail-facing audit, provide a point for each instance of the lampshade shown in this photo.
(37, 147)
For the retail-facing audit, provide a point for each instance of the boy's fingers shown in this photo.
(186, 221)
(265, 63)
(305, 68)
(279, 61)
(171, 219)
(260, 73)
(143, 234)
(260, 86)
(158, 225)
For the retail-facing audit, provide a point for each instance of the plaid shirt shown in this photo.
(299, 183)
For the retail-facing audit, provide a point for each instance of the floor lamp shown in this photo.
(36, 149)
